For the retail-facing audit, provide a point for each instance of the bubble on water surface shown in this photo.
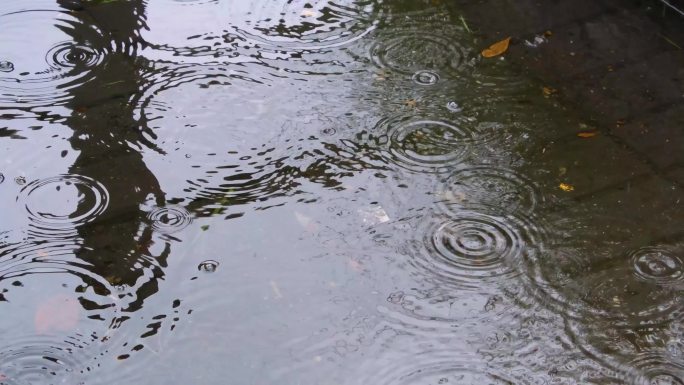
(658, 264)
(328, 131)
(2, 177)
(6, 66)
(425, 78)
(454, 107)
(208, 266)
(64, 202)
(473, 248)
(20, 180)
(169, 219)
(494, 189)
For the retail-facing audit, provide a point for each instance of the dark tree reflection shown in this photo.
(108, 138)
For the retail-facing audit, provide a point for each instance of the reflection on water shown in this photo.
(332, 192)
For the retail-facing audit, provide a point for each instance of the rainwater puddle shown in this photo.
(314, 193)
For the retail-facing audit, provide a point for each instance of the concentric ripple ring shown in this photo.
(657, 264)
(490, 187)
(474, 247)
(410, 52)
(169, 219)
(424, 145)
(63, 202)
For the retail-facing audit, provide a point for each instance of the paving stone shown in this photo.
(589, 45)
(634, 213)
(658, 136)
(676, 175)
(516, 18)
(588, 165)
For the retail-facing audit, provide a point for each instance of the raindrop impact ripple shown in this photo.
(62, 203)
(169, 219)
(473, 248)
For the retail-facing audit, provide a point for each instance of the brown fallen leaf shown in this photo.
(497, 48)
(57, 314)
(308, 13)
(566, 187)
(587, 134)
(411, 103)
(355, 265)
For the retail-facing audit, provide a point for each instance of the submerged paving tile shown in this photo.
(515, 18)
(659, 136)
(590, 45)
(640, 211)
(583, 165)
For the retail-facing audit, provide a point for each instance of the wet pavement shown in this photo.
(257, 192)
(618, 63)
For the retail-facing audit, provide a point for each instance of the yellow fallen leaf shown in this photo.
(497, 49)
(566, 187)
(587, 134)
(548, 91)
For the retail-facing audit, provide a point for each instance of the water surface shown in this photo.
(291, 192)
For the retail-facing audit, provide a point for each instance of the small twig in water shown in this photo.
(465, 25)
(667, 39)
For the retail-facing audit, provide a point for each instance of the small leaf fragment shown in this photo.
(548, 91)
(587, 134)
(411, 103)
(276, 290)
(497, 48)
(204, 227)
(567, 187)
(60, 313)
